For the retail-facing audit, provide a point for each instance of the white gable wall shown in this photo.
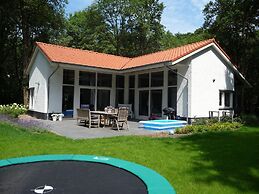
(38, 80)
(206, 66)
(184, 69)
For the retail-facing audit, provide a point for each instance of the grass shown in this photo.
(226, 162)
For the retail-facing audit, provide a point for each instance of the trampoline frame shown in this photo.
(155, 183)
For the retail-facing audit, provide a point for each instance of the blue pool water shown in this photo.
(162, 124)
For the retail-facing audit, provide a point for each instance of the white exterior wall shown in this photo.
(55, 90)
(38, 77)
(206, 67)
(183, 89)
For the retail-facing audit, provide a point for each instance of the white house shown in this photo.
(193, 79)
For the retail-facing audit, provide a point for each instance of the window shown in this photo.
(103, 99)
(31, 98)
(132, 81)
(226, 99)
(119, 97)
(172, 78)
(104, 80)
(86, 78)
(143, 80)
(68, 76)
(143, 102)
(156, 102)
(119, 81)
(172, 97)
(68, 98)
(220, 98)
(132, 98)
(87, 97)
(157, 79)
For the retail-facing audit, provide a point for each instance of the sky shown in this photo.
(179, 15)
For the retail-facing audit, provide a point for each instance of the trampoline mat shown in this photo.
(68, 177)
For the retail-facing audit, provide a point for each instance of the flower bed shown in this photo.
(13, 109)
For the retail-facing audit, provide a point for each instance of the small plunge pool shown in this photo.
(162, 124)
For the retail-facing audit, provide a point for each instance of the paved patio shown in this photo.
(69, 128)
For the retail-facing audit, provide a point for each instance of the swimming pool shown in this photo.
(162, 124)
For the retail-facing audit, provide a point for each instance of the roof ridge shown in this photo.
(169, 49)
(84, 50)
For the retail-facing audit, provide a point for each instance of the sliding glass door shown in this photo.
(87, 97)
(103, 99)
(143, 102)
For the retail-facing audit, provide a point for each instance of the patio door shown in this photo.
(103, 98)
(87, 97)
(68, 101)
(150, 102)
(156, 102)
(143, 102)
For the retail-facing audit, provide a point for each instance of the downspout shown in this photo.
(48, 90)
(187, 85)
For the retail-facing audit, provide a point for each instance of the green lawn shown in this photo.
(206, 163)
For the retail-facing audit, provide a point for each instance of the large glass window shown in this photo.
(119, 81)
(172, 78)
(132, 81)
(156, 102)
(157, 79)
(86, 78)
(143, 80)
(68, 76)
(103, 99)
(68, 98)
(87, 97)
(119, 97)
(132, 98)
(143, 102)
(104, 80)
(172, 97)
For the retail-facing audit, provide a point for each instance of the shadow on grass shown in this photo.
(230, 158)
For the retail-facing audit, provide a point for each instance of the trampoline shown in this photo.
(80, 174)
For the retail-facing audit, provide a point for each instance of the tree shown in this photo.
(124, 27)
(87, 30)
(235, 25)
(23, 22)
(170, 40)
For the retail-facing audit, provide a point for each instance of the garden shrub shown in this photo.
(250, 119)
(212, 127)
(13, 110)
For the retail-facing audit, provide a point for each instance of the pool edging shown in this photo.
(154, 181)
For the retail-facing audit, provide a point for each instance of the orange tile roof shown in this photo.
(68, 55)
(166, 55)
(61, 54)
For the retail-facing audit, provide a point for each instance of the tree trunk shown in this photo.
(26, 50)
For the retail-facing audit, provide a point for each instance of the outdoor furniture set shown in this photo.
(109, 117)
